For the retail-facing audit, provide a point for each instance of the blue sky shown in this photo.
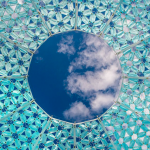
(74, 76)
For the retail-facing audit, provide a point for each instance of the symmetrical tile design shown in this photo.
(21, 130)
(129, 25)
(91, 135)
(25, 25)
(128, 130)
(21, 23)
(59, 15)
(135, 61)
(14, 61)
(14, 93)
(94, 14)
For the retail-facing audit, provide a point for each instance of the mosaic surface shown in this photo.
(25, 25)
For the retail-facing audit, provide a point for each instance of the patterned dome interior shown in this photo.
(25, 25)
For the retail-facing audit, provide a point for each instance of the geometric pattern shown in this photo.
(14, 60)
(58, 135)
(25, 25)
(58, 15)
(14, 93)
(129, 25)
(91, 135)
(93, 15)
(127, 129)
(135, 60)
(21, 23)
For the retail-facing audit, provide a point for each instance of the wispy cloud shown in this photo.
(102, 73)
(101, 101)
(77, 111)
(66, 45)
(93, 81)
(96, 54)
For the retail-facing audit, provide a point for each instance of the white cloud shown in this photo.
(96, 54)
(77, 111)
(93, 81)
(101, 101)
(94, 40)
(66, 46)
(106, 74)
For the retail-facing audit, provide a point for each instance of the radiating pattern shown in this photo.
(58, 135)
(91, 135)
(128, 130)
(21, 23)
(14, 61)
(129, 25)
(135, 94)
(59, 15)
(14, 93)
(20, 131)
(25, 25)
(135, 60)
(93, 15)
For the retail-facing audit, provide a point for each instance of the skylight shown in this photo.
(25, 25)
(75, 76)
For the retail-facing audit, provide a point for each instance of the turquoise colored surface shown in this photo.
(25, 25)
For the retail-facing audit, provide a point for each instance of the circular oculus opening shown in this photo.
(75, 76)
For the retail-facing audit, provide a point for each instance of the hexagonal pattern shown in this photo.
(25, 25)
(59, 15)
(21, 23)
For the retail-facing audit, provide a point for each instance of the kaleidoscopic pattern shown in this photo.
(14, 93)
(93, 15)
(21, 130)
(135, 94)
(21, 23)
(130, 24)
(59, 15)
(129, 131)
(14, 61)
(91, 135)
(57, 135)
(25, 25)
(135, 61)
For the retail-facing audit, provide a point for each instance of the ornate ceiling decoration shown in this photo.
(25, 25)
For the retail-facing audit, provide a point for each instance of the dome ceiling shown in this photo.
(25, 25)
